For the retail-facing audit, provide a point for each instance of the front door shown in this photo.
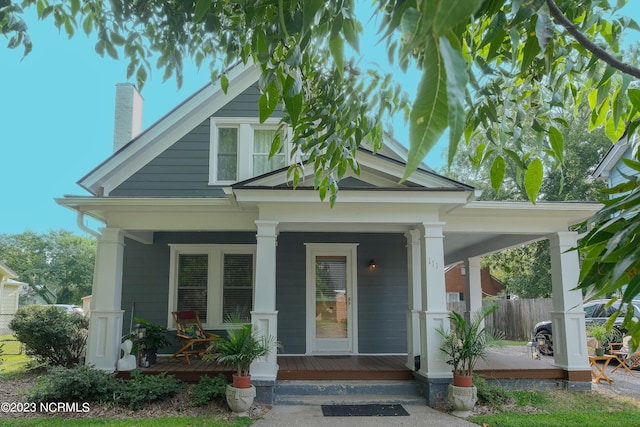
(331, 299)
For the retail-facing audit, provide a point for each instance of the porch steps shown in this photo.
(347, 392)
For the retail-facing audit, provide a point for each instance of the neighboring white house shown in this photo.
(198, 216)
(611, 168)
(9, 294)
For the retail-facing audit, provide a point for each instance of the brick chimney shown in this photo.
(128, 117)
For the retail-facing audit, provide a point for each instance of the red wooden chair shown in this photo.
(193, 338)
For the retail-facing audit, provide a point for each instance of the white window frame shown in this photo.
(453, 297)
(246, 127)
(215, 253)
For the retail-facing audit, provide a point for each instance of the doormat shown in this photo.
(372, 410)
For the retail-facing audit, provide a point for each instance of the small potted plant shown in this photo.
(153, 338)
(464, 344)
(238, 351)
(602, 335)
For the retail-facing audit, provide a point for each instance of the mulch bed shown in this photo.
(13, 391)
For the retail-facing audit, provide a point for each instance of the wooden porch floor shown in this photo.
(500, 365)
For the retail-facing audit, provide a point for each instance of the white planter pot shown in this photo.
(463, 400)
(240, 399)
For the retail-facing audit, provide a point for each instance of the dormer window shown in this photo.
(240, 149)
(262, 141)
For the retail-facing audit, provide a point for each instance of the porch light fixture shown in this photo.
(372, 264)
(141, 331)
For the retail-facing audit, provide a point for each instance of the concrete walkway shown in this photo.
(311, 415)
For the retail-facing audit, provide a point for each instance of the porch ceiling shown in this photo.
(471, 229)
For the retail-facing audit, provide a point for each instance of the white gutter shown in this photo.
(80, 223)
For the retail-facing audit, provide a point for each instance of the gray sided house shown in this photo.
(197, 216)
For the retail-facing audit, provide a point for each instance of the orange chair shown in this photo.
(192, 336)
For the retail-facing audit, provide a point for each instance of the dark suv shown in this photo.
(595, 311)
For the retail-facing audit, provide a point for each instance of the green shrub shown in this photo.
(50, 334)
(208, 389)
(492, 395)
(141, 389)
(79, 384)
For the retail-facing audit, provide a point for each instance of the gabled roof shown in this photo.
(166, 131)
(611, 159)
(6, 272)
(381, 170)
(377, 172)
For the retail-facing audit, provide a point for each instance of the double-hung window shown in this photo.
(216, 280)
(241, 148)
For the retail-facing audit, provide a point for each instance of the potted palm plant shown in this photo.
(238, 351)
(464, 344)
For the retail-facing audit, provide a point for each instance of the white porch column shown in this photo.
(264, 315)
(569, 336)
(105, 324)
(473, 289)
(433, 314)
(414, 296)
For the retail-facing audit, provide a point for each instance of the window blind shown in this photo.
(238, 286)
(193, 283)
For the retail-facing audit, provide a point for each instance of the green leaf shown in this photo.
(453, 12)
(544, 29)
(634, 97)
(141, 77)
(224, 83)
(87, 25)
(497, 172)
(557, 143)
(323, 188)
(336, 45)
(457, 79)
(409, 21)
(429, 116)
(310, 9)
(614, 132)
(495, 28)
(268, 101)
(202, 6)
(533, 179)
(350, 31)
(111, 51)
(293, 98)
(531, 49)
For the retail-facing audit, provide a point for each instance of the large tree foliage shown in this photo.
(57, 266)
(526, 270)
(492, 67)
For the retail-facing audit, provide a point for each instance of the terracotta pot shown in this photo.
(462, 380)
(243, 381)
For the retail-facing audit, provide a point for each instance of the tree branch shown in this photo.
(602, 54)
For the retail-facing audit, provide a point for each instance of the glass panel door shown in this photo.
(331, 297)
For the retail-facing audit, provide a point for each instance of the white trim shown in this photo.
(215, 253)
(376, 170)
(350, 251)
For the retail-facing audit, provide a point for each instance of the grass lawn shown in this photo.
(12, 358)
(562, 408)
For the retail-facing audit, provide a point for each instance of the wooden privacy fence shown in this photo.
(514, 317)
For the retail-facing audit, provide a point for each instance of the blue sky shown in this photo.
(56, 120)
